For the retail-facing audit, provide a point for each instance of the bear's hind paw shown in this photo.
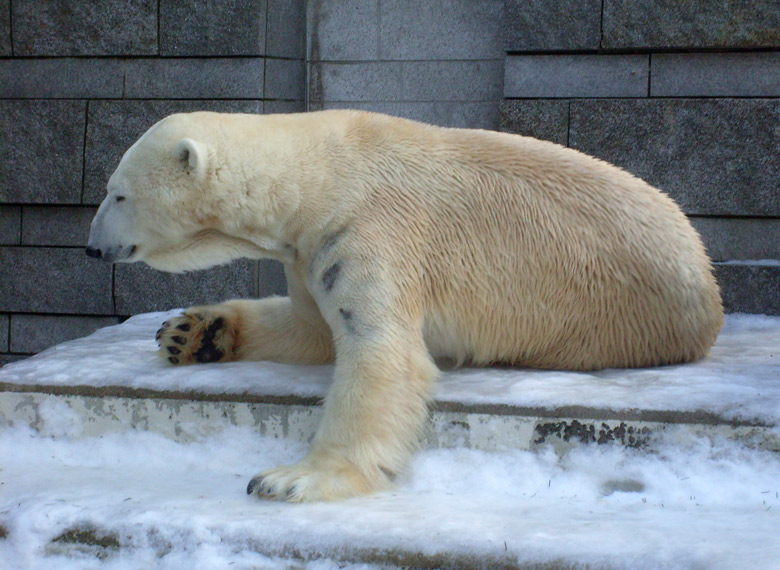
(196, 336)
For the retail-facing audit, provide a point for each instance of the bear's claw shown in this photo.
(202, 336)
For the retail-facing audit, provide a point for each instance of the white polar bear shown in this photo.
(403, 241)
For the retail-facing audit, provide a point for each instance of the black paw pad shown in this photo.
(184, 327)
(173, 360)
(179, 339)
(173, 350)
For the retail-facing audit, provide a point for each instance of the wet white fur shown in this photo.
(481, 246)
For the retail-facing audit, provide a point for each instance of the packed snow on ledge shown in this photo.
(685, 503)
(740, 379)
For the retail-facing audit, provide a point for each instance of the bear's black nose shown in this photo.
(94, 252)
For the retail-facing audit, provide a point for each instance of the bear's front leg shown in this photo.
(247, 329)
(373, 416)
(200, 334)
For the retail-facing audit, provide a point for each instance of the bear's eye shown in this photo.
(120, 198)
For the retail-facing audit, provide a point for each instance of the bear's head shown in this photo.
(170, 202)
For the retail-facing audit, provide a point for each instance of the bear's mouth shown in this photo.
(111, 254)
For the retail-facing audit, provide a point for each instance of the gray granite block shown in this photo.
(33, 333)
(194, 78)
(10, 225)
(61, 78)
(663, 24)
(462, 114)
(371, 81)
(285, 79)
(552, 25)
(739, 238)
(53, 280)
(212, 27)
(270, 278)
(540, 76)
(715, 75)
(286, 29)
(542, 119)
(115, 125)
(41, 151)
(445, 29)
(5, 27)
(344, 31)
(714, 156)
(63, 27)
(749, 288)
(284, 106)
(9, 358)
(140, 289)
(452, 80)
(4, 331)
(56, 225)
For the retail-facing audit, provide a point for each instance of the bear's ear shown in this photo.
(193, 155)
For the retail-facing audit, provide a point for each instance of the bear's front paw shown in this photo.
(199, 335)
(316, 478)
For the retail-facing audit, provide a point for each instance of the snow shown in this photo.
(684, 505)
(686, 502)
(740, 379)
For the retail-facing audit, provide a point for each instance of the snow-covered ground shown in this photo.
(683, 503)
(739, 379)
(691, 505)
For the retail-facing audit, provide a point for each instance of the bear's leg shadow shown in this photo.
(264, 329)
(373, 414)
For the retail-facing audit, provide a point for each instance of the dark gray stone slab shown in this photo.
(33, 333)
(542, 119)
(140, 289)
(749, 288)
(285, 79)
(5, 27)
(4, 331)
(452, 80)
(447, 29)
(284, 106)
(212, 27)
(537, 76)
(61, 78)
(10, 225)
(463, 114)
(9, 358)
(344, 31)
(195, 78)
(63, 27)
(715, 74)
(53, 280)
(552, 25)
(690, 24)
(715, 157)
(286, 29)
(115, 125)
(371, 81)
(41, 151)
(56, 225)
(739, 238)
(270, 278)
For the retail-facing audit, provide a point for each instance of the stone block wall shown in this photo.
(438, 61)
(683, 94)
(79, 83)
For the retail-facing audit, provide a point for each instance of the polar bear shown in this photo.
(402, 242)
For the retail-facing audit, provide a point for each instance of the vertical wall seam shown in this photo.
(601, 27)
(11, 33)
(568, 124)
(84, 152)
(649, 72)
(159, 43)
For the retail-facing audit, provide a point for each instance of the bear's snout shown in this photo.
(94, 252)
